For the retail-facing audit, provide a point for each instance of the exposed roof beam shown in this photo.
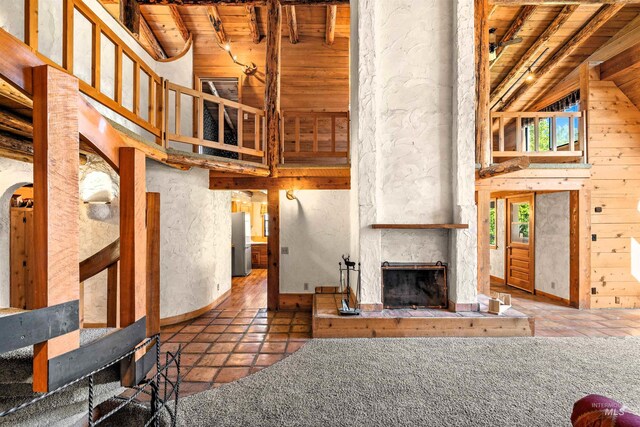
(598, 20)
(253, 24)
(292, 23)
(532, 53)
(179, 23)
(622, 62)
(148, 39)
(492, 11)
(216, 22)
(511, 165)
(242, 2)
(524, 14)
(332, 12)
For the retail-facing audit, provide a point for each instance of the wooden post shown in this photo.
(113, 297)
(56, 229)
(272, 85)
(273, 249)
(580, 248)
(484, 260)
(483, 85)
(133, 236)
(153, 264)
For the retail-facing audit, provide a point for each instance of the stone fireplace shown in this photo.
(414, 285)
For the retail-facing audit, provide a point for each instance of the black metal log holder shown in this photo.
(159, 380)
(345, 287)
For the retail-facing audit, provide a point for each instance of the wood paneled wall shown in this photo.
(314, 75)
(614, 152)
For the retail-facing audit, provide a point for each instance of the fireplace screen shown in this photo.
(414, 285)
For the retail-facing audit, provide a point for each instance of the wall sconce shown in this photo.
(290, 195)
(249, 69)
(97, 188)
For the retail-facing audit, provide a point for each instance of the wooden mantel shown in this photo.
(420, 226)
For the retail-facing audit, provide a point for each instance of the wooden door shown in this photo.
(21, 257)
(520, 242)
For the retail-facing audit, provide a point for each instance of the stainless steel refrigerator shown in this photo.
(241, 243)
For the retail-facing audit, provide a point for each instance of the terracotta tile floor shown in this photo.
(235, 339)
(554, 319)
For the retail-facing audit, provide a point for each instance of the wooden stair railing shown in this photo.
(105, 259)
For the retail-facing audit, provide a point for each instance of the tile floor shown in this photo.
(235, 340)
(554, 319)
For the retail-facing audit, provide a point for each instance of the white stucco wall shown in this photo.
(497, 254)
(13, 175)
(552, 250)
(315, 229)
(413, 74)
(195, 238)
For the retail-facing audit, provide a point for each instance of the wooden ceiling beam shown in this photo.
(292, 23)
(216, 23)
(149, 39)
(332, 12)
(242, 2)
(595, 23)
(179, 23)
(517, 24)
(511, 165)
(253, 24)
(532, 53)
(621, 63)
(283, 183)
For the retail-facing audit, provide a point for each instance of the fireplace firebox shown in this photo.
(414, 285)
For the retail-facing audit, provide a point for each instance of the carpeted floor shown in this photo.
(426, 382)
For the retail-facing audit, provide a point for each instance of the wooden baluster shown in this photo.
(200, 131)
(554, 142)
(571, 134)
(67, 34)
(161, 111)
(178, 113)
(256, 131)
(536, 134)
(315, 134)
(95, 57)
(152, 101)
(518, 133)
(333, 134)
(221, 123)
(113, 302)
(297, 134)
(240, 128)
(118, 75)
(501, 133)
(31, 23)
(136, 89)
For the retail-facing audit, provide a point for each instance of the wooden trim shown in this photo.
(253, 24)
(483, 83)
(179, 318)
(284, 183)
(153, 264)
(580, 248)
(273, 250)
(133, 236)
(31, 24)
(296, 302)
(496, 279)
(252, 2)
(552, 297)
(511, 165)
(529, 246)
(330, 25)
(56, 226)
(100, 261)
(420, 226)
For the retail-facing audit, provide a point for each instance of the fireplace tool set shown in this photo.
(345, 287)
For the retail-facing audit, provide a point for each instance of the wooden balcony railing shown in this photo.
(249, 133)
(108, 69)
(546, 137)
(315, 136)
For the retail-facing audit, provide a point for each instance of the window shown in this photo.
(265, 225)
(493, 222)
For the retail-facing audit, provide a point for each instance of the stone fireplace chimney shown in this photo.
(414, 160)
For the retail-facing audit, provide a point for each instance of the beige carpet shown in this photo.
(426, 382)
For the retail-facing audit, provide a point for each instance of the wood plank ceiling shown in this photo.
(573, 19)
